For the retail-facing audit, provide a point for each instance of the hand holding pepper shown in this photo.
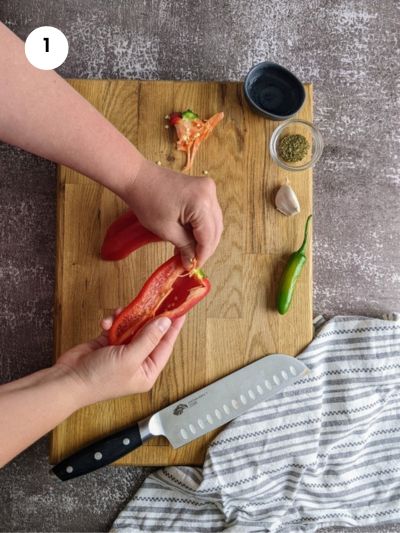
(85, 374)
(177, 208)
(102, 372)
(63, 127)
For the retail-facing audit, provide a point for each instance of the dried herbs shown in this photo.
(293, 148)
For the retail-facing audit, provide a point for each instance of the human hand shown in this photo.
(102, 372)
(178, 208)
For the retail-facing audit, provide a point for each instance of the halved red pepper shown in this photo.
(125, 235)
(170, 291)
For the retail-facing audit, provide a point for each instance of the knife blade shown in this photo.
(192, 416)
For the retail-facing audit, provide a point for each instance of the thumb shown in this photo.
(185, 244)
(148, 338)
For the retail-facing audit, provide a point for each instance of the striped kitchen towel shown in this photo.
(325, 452)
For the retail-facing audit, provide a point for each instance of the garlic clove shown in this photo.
(286, 201)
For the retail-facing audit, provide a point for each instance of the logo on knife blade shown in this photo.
(180, 408)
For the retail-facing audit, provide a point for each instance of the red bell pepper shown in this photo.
(124, 236)
(170, 291)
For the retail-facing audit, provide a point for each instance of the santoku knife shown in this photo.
(192, 416)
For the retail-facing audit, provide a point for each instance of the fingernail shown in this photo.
(163, 324)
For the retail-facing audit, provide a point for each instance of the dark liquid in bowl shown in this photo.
(275, 94)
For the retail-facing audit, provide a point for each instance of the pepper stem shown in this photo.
(302, 247)
(199, 273)
(188, 114)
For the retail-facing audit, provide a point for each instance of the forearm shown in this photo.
(32, 406)
(41, 113)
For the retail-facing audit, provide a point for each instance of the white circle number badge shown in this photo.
(46, 48)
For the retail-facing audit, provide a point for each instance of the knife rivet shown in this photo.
(98, 456)
(126, 441)
(69, 469)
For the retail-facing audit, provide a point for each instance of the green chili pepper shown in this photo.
(290, 275)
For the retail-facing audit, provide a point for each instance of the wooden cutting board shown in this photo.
(237, 323)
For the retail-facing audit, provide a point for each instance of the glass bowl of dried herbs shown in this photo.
(296, 145)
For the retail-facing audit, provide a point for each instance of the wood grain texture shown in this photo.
(237, 323)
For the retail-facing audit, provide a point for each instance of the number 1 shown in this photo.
(47, 43)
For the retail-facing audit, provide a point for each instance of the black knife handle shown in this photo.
(98, 454)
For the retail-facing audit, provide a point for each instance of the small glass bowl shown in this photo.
(302, 127)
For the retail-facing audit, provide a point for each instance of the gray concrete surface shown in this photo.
(348, 49)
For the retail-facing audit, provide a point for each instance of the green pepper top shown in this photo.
(189, 115)
(199, 273)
